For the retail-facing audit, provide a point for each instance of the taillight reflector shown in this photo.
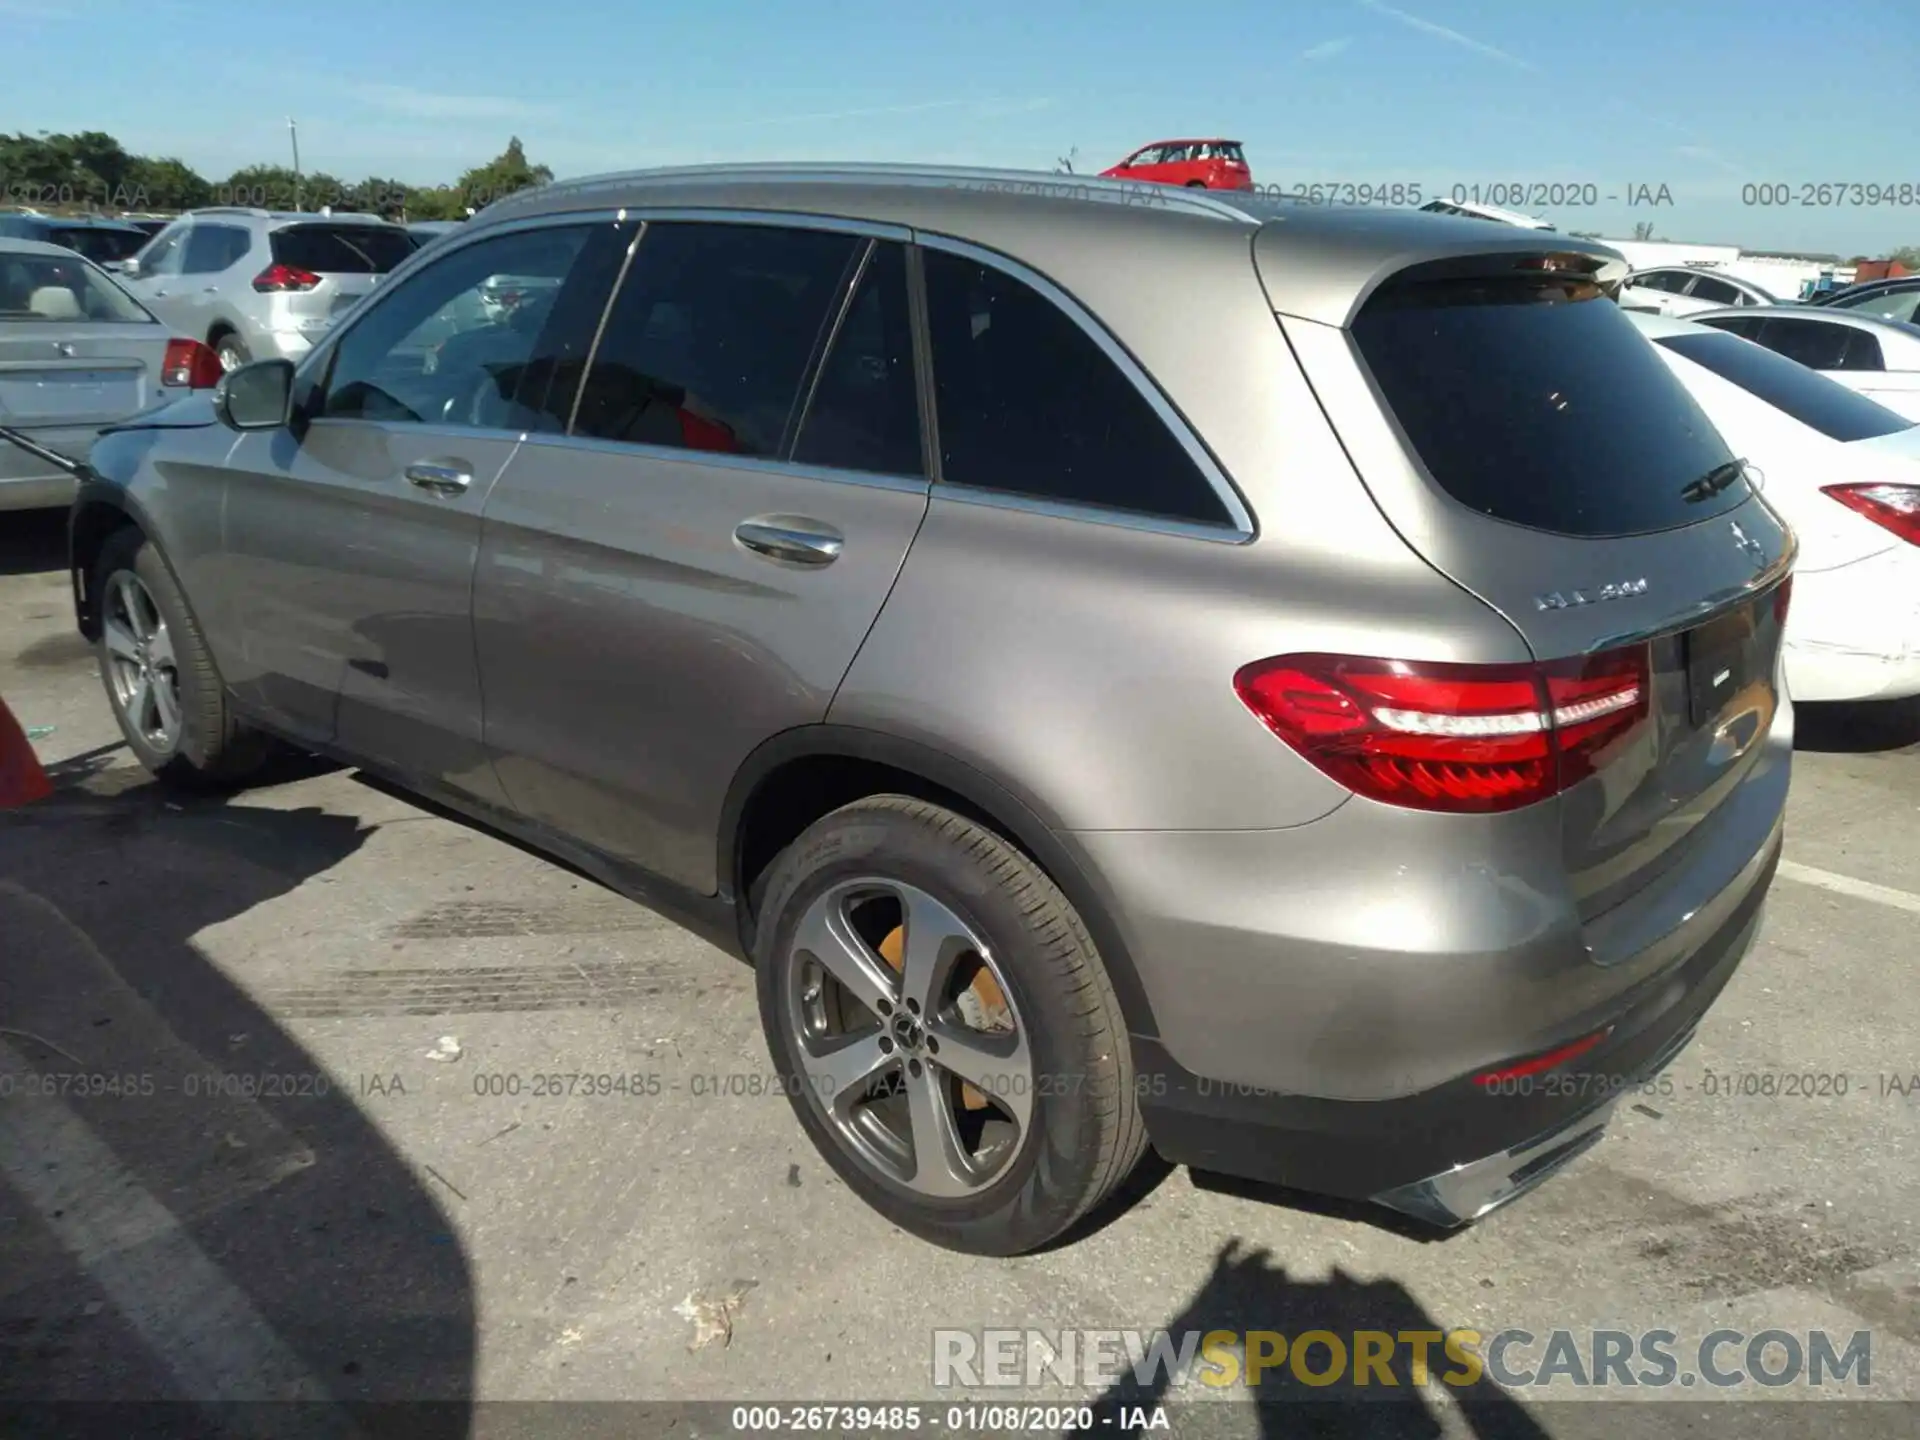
(277, 278)
(1438, 736)
(1540, 1064)
(189, 365)
(1893, 507)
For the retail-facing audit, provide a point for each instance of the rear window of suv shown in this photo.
(341, 249)
(1788, 386)
(1535, 401)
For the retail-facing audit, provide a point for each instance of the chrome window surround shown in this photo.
(1239, 529)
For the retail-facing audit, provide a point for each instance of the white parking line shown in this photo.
(1847, 885)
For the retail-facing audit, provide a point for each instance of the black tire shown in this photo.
(214, 750)
(232, 350)
(1086, 1134)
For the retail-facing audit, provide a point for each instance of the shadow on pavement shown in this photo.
(191, 1209)
(33, 542)
(1860, 729)
(1248, 1291)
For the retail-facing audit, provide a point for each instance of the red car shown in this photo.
(1202, 164)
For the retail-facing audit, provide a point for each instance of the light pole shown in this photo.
(293, 134)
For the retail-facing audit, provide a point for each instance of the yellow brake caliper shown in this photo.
(990, 1007)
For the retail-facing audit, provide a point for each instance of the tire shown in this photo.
(232, 351)
(1082, 1133)
(207, 747)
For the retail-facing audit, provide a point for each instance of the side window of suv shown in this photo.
(713, 330)
(161, 256)
(864, 413)
(212, 248)
(1029, 404)
(432, 351)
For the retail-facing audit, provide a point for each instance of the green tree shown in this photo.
(1907, 255)
(161, 184)
(498, 178)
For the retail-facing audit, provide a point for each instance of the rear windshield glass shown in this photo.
(341, 249)
(1787, 385)
(98, 243)
(1536, 402)
(35, 286)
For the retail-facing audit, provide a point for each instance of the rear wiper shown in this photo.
(1713, 482)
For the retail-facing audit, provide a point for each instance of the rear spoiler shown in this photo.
(79, 469)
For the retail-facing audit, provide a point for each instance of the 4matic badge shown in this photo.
(1568, 599)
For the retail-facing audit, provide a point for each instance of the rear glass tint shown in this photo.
(1535, 401)
(1788, 386)
(98, 243)
(341, 249)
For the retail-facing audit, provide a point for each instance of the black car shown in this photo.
(1897, 298)
(101, 241)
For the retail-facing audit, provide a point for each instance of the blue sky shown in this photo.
(1701, 96)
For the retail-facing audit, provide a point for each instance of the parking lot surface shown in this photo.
(498, 1134)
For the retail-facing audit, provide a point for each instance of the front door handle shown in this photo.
(440, 478)
(793, 538)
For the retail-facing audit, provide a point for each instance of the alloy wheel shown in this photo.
(907, 1036)
(143, 674)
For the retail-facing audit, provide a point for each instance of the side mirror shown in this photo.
(255, 397)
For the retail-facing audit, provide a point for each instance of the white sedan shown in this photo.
(1879, 358)
(1844, 472)
(1684, 290)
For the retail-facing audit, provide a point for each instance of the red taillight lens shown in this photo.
(190, 365)
(1782, 599)
(277, 278)
(1894, 507)
(1435, 736)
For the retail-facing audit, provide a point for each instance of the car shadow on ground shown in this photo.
(33, 542)
(1861, 729)
(198, 1224)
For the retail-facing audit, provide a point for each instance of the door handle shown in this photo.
(440, 479)
(792, 538)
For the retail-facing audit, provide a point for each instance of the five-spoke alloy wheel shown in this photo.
(943, 1026)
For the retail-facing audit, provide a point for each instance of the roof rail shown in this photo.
(1042, 183)
(255, 210)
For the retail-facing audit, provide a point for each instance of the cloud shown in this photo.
(1326, 49)
(429, 105)
(1452, 37)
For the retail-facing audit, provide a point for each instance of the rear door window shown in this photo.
(341, 249)
(1708, 287)
(1029, 404)
(212, 248)
(1788, 386)
(864, 412)
(1894, 305)
(1535, 401)
(1813, 343)
(713, 331)
(1862, 352)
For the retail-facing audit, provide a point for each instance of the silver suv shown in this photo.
(261, 284)
(1299, 688)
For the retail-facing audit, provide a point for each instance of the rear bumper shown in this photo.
(1449, 1154)
(1854, 631)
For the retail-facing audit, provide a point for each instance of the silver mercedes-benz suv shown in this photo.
(1293, 687)
(262, 284)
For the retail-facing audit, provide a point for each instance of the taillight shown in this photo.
(1893, 507)
(189, 365)
(1439, 736)
(1782, 599)
(1540, 1064)
(277, 278)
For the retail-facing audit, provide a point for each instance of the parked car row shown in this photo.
(1040, 683)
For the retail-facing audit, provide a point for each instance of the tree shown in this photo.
(1065, 162)
(499, 178)
(162, 184)
(274, 187)
(1644, 231)
(1907, 255)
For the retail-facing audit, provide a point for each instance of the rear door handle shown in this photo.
(439, 477)
(793, 538)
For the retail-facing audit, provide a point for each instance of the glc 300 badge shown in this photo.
(1567, 599)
